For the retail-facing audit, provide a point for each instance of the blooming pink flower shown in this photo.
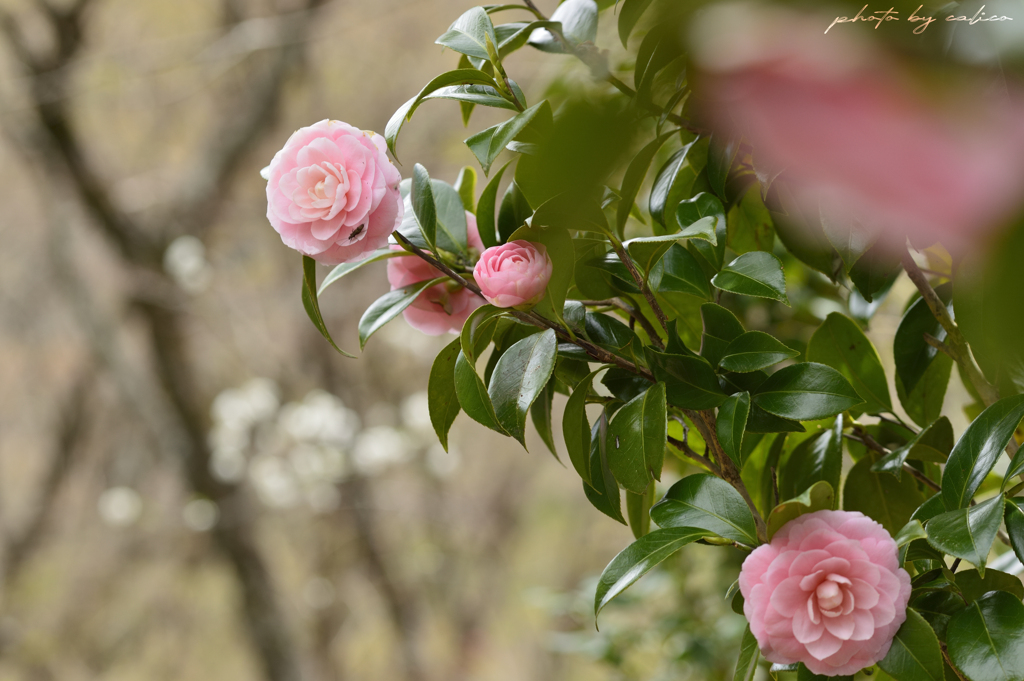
(332, 193)
(441, 308)
(513, 274)
(827, 591)
(855, 133)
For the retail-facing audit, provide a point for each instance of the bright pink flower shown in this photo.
(332, 193)
(827, 591)
(856, 133)
(441, 308)
(513, 274)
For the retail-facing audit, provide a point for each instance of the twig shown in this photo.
(871, 443)
(685, 448)
(641, 282)
(634, 314)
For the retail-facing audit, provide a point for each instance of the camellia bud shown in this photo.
(515, 274)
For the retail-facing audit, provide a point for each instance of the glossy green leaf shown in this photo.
(721, 154)
(967, 533)
(312, 305)
(487, 144)
(761, 421)
(840, 344)
(518, 34)
(973, 585)
(603, 490)
(637, 559)
(389, 306)
(541, 415)
(934, 443)
(746, 665)
(806, 391)
(442, 400)
(678, 272)
(423, 205)
(817, 458)
(880, 497)
(750, 226)
(817, 497)
(915, 654)
(629, 15)
(690, 381)
(636, 439)
(349, 267)
(730, 425)
(576, 427)
(558, 242)
(757, 273)
(755, 350)
(478, 331)
(579, 25)
(518, 379)
(469, 34)
(674, 182)
(975, 454)
(515, 210)
(911, 531)
(638, 511)
(451, 218)
(705, 501)
(720, 328)
(850, 238)
(1014, 518)
(634, 177)
(473, 396)
(923, 404)
(986, 640)
(485, 210)
(445, 80)
(910, 351)
(703, 216)
(875, 272)
(484, 95)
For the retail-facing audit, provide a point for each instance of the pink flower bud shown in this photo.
(441, 308)
(513, 274)
(827, 591)
(332, 193)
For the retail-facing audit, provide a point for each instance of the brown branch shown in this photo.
(865, 438)
(641, 282)
(704, 461)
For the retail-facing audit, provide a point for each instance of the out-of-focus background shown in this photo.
(192, 484)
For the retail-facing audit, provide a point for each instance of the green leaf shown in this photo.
(875, 272)
(704, 501)
(349, 267)
(750, 226)
(721, 154)
(451, 218)
(515, 210)
(637, 559)
(973, 585)
(915, 654)
(603, 491)
(731, 422)
(805, 674)
(850, 239)
(636, 442)
(910, 351)
(478, 331)
(702, 217)
(487, 144)
(882, 498)
(986, 640)
(1014, 518)
(634, 177)
(923, 404)
(469, 34)
(442, 400)
(558, 242)
(473, 396)
(389, 306)
(675, 180)
(978, 449)
(761, 421)
(720, 328)
(638, 510)
(817, 458)
(312, 305)
(840, 344)
(576, 427)
(931, 444)
(755, 350)
(806, 391)
(628, 16)
(746, 665)
(520, 33)
(757, 273)
(542, 416)
(679, 272)
(471, 95)
(579, 25)
(912, 531)
(817, 497)
(690, 381)
(485, 210)
(423, 205)
(459, 77)
(518, 379)
(967, 533)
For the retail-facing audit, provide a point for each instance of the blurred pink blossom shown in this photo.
(514, 274)
(332, 193)
(441, 308)
(856, 134)
(827, 591)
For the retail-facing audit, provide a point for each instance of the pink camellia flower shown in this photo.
(441, 308)
(332, 193)
(513, 274)
(856, 133)
(827, 591)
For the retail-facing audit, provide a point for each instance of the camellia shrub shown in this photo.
(693, 259)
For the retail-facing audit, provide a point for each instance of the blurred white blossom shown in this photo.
(120, 506)
(185, 261)
(376, 449)
(200, 515)
(416, 414)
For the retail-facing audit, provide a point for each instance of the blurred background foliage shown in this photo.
(191, 484)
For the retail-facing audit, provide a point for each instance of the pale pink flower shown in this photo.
(513, 274)
(332, 193)
(441, 308)
(827, 591)
(858, 134)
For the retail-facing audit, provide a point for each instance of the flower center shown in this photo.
(830, 596)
